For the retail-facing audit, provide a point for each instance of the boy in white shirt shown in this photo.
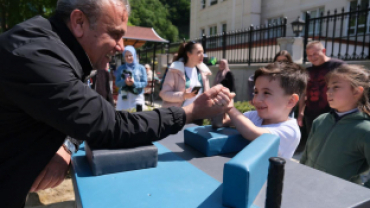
(278, 87)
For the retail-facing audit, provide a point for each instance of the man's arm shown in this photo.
(301, 107)
(245, 126)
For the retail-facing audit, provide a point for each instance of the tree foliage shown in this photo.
(152, 13)
(179, 15)
(13, 12)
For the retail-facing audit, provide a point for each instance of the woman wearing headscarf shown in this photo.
(131, 78)
(224, 76)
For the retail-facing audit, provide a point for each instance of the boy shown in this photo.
(277, 90)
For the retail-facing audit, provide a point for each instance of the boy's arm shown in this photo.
(245, 126)
(302, 106)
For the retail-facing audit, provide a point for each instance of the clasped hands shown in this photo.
(214, 101)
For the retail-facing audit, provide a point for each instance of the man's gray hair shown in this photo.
(91, 8)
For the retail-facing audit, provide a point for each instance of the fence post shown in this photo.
(285, 21)
(138, 55)
(204, 43)
(307, 26)
(168, 51)
(251, 29)
(153, 69)
(224, 44)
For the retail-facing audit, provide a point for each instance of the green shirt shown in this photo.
(340, 147)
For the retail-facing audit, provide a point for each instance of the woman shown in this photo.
(187, 72)
(224, 76)
(131, 79)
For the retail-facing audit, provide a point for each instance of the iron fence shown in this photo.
(344, 34)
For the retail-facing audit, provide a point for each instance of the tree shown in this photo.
(179, 15)
(13, 12)
(152, 13)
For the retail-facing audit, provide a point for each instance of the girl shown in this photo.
(131, 79)
(339, 141)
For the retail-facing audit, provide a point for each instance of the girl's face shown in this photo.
(221, 66)
(129, 57)
(197, 54)
(341, 95)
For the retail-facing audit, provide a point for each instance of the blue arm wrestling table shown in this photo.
(184, 178)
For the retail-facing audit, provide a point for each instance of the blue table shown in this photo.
(185, 178)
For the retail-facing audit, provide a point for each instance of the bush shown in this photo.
(241, 106)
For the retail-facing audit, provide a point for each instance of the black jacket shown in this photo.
(229, 81)
(43, 99)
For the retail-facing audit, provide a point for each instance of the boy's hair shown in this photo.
(358, 76)
(293, 77)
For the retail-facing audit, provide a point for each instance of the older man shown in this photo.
(316, 102)
(43, 63)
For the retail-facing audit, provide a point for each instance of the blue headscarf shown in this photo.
(133, 52)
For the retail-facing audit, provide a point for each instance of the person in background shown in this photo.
(102, 85)
(316, 102)
(339, 141)
(224, 76)
(281, 56)
(149, 73)
(131, 78)
(188, 71)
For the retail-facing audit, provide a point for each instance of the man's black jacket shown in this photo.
(43, 99)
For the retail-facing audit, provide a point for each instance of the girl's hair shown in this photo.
(358, 76)
(184, 49)
(284, 53)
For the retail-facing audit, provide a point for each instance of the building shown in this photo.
(212, 17)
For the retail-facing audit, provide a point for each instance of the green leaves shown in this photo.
(13, 12)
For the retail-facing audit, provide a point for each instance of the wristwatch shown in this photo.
(69, 146)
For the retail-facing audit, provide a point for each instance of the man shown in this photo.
(316, 103)
(43, 63)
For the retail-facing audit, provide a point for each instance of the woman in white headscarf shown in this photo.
(131, 78)
(224, 76)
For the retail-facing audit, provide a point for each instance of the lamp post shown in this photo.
(298, 26)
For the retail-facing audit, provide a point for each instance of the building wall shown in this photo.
(239, 14)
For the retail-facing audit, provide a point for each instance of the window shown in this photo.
(203, 4)
(212, 40)
(276, 32)
(213, 2)
(224, 27)
(318, 27)
(202, 32)
(361, 19)
(213, 30)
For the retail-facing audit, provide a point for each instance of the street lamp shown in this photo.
(298, 26)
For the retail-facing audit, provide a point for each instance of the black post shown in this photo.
(224, 44)
(306, 28)
(251, 29)
(356, 34)
(204, 43)
(152, 95)
(138, 55)
(334, 32)
(168, 52)
(275, 182)
(341, 34)
(327, 28)
(364, 38)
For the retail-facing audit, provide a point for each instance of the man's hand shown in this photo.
(54, 173)
(214, 101)
(129, 81)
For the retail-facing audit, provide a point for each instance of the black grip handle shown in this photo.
(275, 182)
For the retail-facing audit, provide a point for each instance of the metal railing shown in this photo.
(253, 45)
(345, 35)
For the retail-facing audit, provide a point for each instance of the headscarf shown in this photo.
(133, 52)
(221, 73)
